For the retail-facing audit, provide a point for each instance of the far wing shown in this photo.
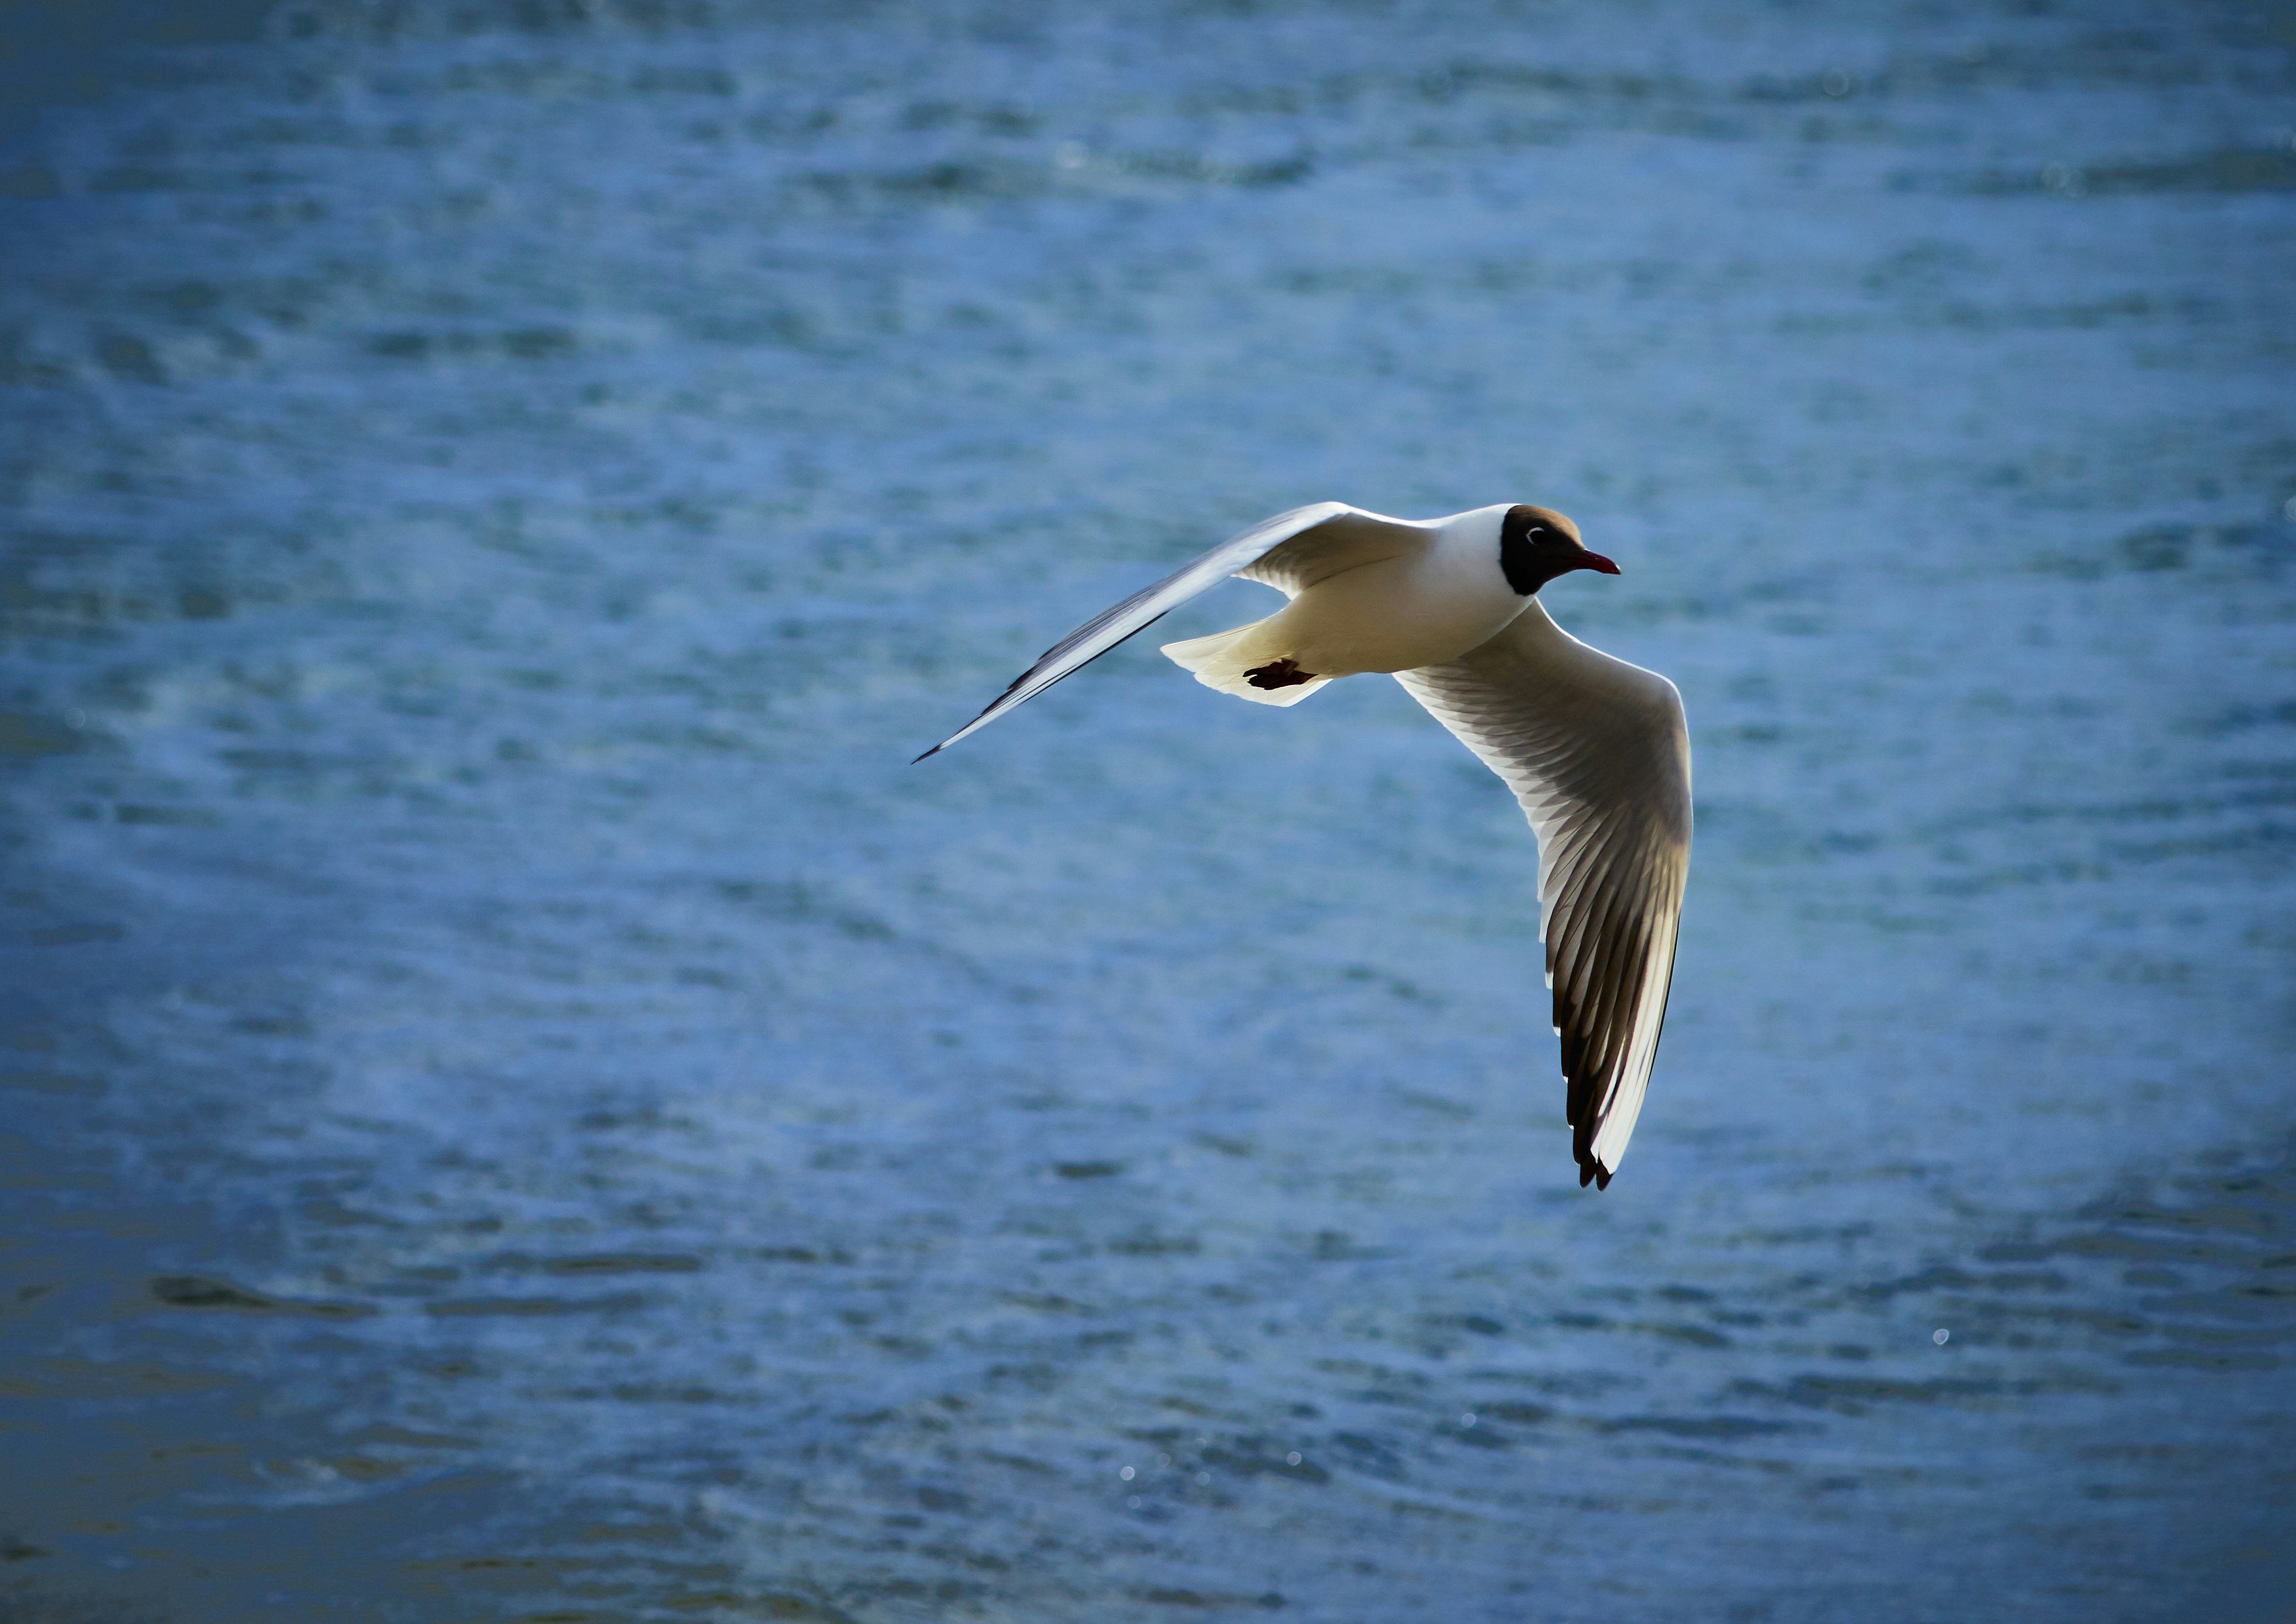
(1598, 753)
(1291, 551)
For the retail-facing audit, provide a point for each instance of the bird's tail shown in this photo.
(1246, 663)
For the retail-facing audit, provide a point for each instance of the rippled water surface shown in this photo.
(517, 1102)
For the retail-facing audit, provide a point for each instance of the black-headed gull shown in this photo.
(1596, 750)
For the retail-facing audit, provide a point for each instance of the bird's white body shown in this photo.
(1597, 751)
(1421, 606)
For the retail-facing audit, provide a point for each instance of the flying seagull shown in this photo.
(1594, 749)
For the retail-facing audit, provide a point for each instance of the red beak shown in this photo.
(1595, 561)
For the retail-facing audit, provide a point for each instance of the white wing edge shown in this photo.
(1601, 770)
(1145, 607)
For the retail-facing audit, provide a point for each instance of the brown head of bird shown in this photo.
(1537, 543)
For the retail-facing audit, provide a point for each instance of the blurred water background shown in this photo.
(516, 1100)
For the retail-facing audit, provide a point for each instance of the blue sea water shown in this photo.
(517, 1101)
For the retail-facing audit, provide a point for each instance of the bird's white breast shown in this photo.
(1428, 606)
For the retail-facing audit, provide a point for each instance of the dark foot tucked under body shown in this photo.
(1282, 673)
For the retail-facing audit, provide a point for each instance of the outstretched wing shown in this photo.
(1293, 551)
(1598, 753)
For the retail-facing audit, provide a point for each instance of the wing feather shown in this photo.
(1598, 753)
(1291, 551)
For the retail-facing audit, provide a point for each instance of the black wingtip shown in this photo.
(935, 750)
(1585, 1174)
